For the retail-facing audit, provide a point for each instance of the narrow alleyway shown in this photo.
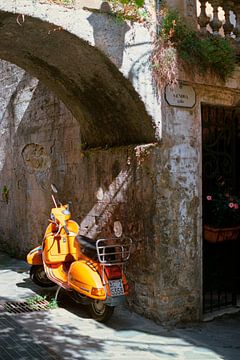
(68, 332)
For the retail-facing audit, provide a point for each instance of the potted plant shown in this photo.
(221, 217)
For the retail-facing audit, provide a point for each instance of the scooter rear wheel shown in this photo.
(39, 277)
(100, 311)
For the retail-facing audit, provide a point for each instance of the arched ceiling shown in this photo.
(109, 110)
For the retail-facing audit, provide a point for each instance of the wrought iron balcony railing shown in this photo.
(220, 17)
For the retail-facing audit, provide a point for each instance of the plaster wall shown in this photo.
(180, 180)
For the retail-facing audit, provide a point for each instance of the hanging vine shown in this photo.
(133, 10)
(178, 43)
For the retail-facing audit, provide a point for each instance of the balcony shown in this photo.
(220, 17)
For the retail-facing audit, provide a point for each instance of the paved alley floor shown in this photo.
(68, 333)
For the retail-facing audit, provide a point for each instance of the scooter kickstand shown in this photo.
(57, 292)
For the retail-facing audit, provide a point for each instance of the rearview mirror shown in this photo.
(54, 188)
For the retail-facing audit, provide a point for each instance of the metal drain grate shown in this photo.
(16, 307)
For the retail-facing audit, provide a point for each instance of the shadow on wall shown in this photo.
(34, 129)
(43, 145)
(109, 38)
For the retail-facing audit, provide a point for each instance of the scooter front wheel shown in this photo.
(39, 277)
(100, 311)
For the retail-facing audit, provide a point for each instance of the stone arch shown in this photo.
(105, 103)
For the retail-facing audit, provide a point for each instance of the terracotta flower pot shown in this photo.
(214, 235)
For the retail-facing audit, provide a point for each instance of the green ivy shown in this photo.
(200, 53)
(66, 2)
(133, 10)
(137, 3)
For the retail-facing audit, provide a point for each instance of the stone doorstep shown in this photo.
(220, 313)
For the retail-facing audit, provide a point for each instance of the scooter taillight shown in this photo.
(113, 272)
(126, 288)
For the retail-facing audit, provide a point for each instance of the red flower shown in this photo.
(221, 209)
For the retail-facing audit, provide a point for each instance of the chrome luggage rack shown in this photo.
(110, 253)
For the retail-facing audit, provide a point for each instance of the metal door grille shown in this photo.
(221, 162)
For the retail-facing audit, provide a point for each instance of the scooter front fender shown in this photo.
(34, 257)
(84, 278)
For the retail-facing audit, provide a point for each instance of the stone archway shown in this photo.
(109, 188)
(108, 108)
(145, 187)
(105, 176)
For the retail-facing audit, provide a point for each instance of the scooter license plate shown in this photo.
(116, 287)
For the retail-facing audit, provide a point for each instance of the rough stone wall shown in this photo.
(154, 191)
(180, 188)
(39, 137)
(180, 194)
(149, 189)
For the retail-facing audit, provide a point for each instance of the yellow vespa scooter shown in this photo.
(92, 270)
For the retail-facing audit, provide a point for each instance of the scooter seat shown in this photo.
(88, 246)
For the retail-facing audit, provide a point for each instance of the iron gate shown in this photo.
(221, 163)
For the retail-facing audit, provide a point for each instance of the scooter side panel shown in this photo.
(58, 274)
(83, 277)
(73, 229)
(34, 257)
(61, 247)
(55, 248)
